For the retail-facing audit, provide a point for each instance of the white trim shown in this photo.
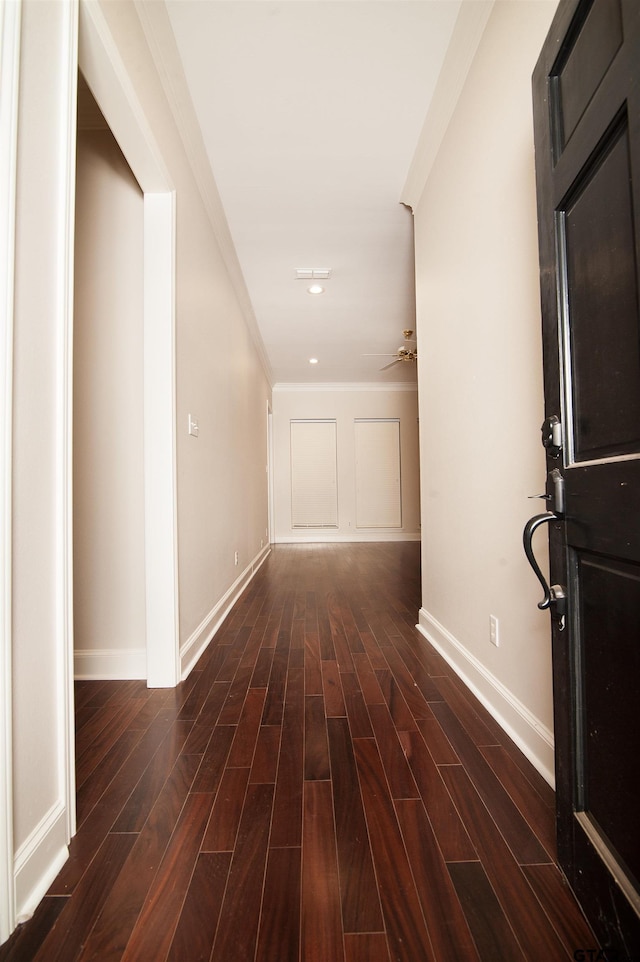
(39, 859)
(112, 87)
(467, 33)
(285, 387)
(161, 527)
(117, 664)
(531, 736)
(10, 16)
(197, 642)
(271, 527)
(63, 511)
(320, 537)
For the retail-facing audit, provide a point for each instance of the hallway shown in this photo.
(321, 788)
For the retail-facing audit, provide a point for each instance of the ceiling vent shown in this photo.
(313, 274)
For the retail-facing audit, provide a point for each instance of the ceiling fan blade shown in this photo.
(380, 355)
(397, 361)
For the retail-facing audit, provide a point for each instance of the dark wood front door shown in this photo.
(587, 130)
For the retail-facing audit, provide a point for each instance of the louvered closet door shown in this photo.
(314, 475)
(378, 493)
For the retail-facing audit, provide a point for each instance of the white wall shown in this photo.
(42, 714)
(480, 376)
(108, 422)
(222, 482)
(345, 404)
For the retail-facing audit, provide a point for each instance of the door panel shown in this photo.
(587, 131)
(610, 593)
(597, 258)
(591, 46)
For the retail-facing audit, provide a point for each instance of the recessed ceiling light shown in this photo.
(313, 360)
(316, 289)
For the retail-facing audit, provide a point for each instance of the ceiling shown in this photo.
(311, 112)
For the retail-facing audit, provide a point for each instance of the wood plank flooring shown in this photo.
(321, 788)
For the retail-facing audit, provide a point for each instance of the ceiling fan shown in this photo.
(403, 353)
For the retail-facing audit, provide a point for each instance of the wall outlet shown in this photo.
(194, 427)
(236, 558)
(494, 635)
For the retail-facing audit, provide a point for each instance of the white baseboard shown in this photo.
(197, 642)
(39, 859)
(110, 664)
(531, 736)
(105, 664)
(316, 537)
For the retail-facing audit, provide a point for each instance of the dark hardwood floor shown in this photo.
(321, 788)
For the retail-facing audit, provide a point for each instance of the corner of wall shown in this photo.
(472, 19)
(532, 737)
(199, 639)
(39, 859)
(115, 664)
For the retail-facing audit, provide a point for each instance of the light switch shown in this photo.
(193, 426)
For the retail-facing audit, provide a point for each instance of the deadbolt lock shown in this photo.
(552, 436)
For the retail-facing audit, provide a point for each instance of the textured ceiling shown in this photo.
(310, 112)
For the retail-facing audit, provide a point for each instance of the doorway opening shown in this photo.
(111, 88)
(108, 398)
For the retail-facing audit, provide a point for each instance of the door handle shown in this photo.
(555, 596)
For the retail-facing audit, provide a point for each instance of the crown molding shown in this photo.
(290, 387)
(467, 33)
(158, 33)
